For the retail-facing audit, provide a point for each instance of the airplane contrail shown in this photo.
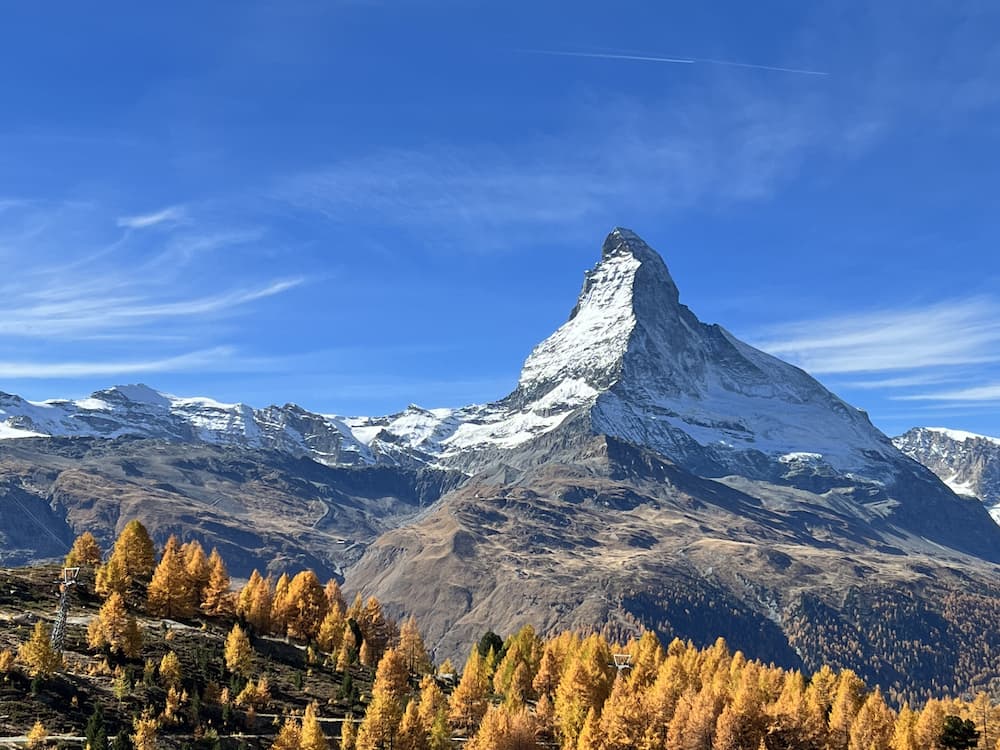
(677, 61)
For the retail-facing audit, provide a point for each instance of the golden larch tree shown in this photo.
(585, 684)
(503, 729)
(115, 629)
(873, 725)
(647, 655)
(847, 701)
(822, 689)
(144, 732)
(37, 654)
(311, 735)
(255, 602)
(38, 736)
(411, 735)
(306, 606)
(468, 703)
(348, 649)
(331, 630)
(622, 721)
(432, 702)
(551, 664)
(385, 711)
(379, 630)
(170, 670)
(239, 652)
(348, 734)
(289, 737)
(698, 728)
(929, 725)
(171, 593)
(217, 599)
(742, 723)
(133, 559)
(904, 731)
(334, 595)
(367, 654)
(590, 735)
(86, 552)
(794, 721)
(112, 578)
(411, 646)
(679, 721)
(513, 675)
(6, 662)
(660, 701)
(198, 568)
(280, 605)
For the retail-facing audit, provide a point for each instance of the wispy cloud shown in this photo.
(904, 381)
(144, 221)
(148, 302)
(214, 359)
(958, 332)
(83, 313)
(652, 161)
(982, 393)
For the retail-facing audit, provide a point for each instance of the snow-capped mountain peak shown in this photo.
(968, 463)
(140, 411)
(630, 286)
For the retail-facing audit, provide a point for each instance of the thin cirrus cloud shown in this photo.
(982, 393)
(88, 313)
(661, 159)
(209, 359)
(163, 301)
(947, 334)
(144, 221)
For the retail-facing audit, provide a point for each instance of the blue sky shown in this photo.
(359, 205)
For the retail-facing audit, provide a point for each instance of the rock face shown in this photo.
(969, 464)
(262, 509)
(648, 470)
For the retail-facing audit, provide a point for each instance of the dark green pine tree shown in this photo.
(958, 734)
(122, 741)
(96, 731)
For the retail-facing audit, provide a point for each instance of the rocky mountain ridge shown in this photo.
(968, 463)
(636, 360)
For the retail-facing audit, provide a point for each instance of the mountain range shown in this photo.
(648, 470)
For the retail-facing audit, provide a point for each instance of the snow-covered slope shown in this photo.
(138, 410)
(968, 463)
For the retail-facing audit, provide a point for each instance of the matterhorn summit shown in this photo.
(633, 363)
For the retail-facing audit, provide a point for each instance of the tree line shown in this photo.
(574, 691)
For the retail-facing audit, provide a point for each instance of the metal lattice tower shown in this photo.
(66, 584)
(622, 661)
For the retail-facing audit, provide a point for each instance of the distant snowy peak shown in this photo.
(140, 411)
(961, 436)
(968, 463)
